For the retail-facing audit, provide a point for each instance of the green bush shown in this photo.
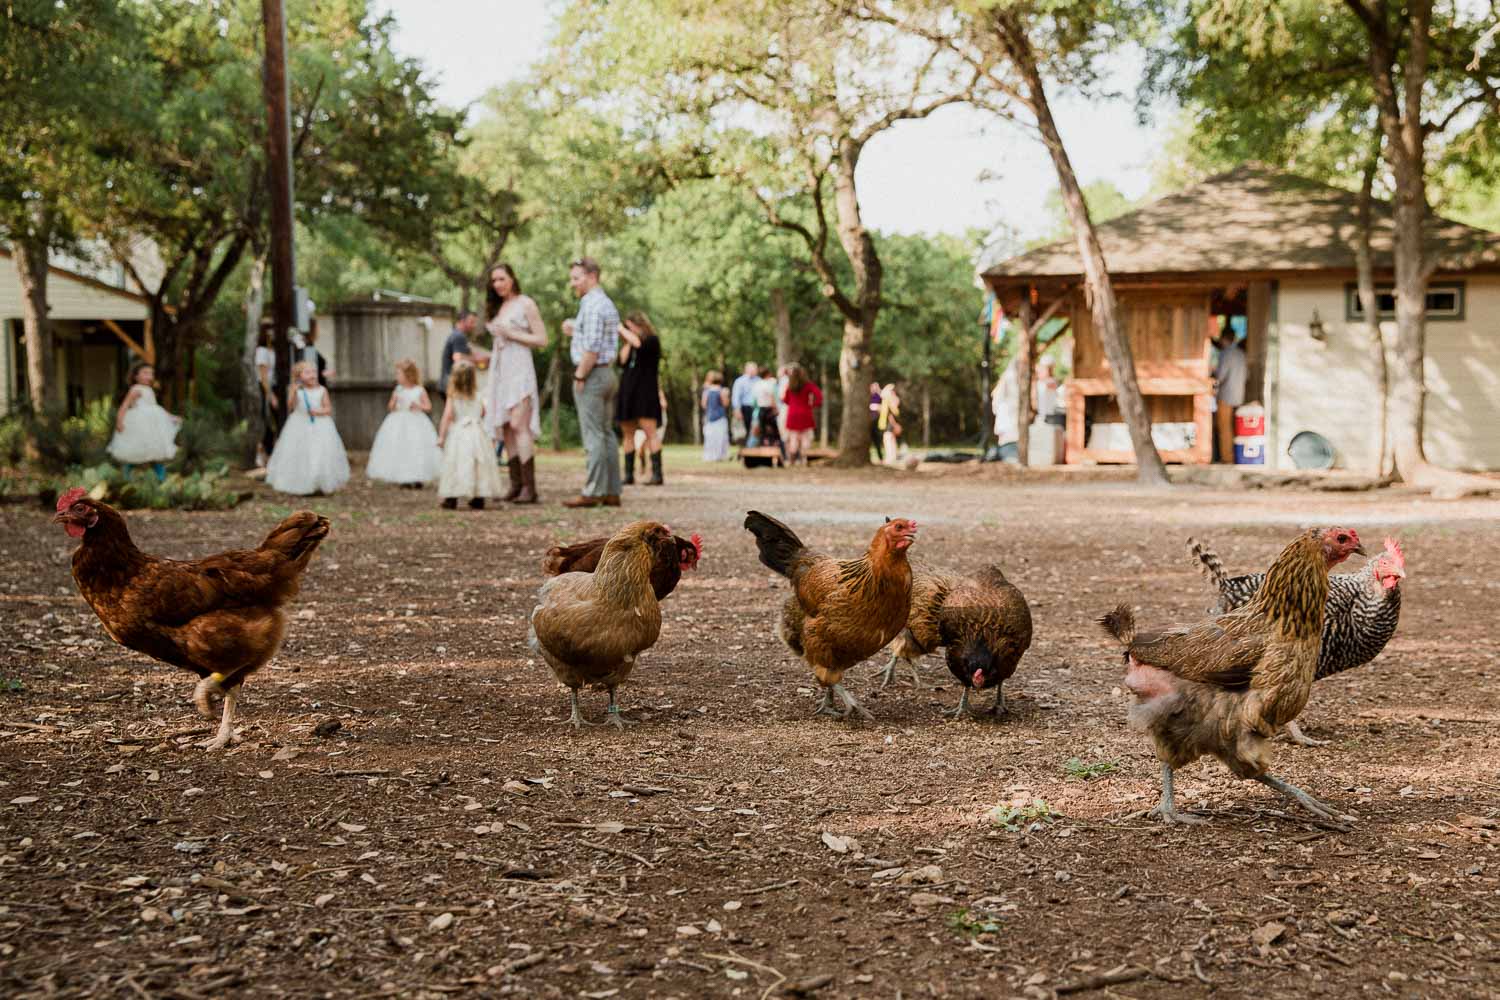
(206, 444)
(205, 490)
(61, 442)
(572, 437)
(13, 438)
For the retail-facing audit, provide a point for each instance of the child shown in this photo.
(406, 448)
(469, 468)
(715, 418)
(309, 456)
(144, 432)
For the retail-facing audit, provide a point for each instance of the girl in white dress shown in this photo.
(468, 457)
(513, 407)
(309, 456)
(406, 449)
(144, 432)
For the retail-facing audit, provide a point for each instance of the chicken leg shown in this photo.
(998, 709)
(963, 703)
(888, 675)
(828, 704)
(576, 719)
(1321, 810)
(1166, 809)
(1294, 734)
(614, 718)
(226, 734)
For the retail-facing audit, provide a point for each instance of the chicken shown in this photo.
(981, 622)
(1362, 613)
(840, 611)
(673, 556)
(592, 627)
(219, 617)
(1223, 686)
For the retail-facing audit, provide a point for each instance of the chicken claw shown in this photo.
(963, 704)
(226, 734)
(1166, 809)
(888, 674)
(851, 705)
(613, 716)
(576, 719)
(1294, 734)
(1319, 809)
(826, 706)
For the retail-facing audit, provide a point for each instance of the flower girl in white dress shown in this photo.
(406, 449)
(144, 432)
(309, 456)
(469, 468)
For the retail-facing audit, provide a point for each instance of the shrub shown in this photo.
(13, 439)
(61, 442)
(206, 444)
(206, 490)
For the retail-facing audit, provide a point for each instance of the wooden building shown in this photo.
(1277, 250)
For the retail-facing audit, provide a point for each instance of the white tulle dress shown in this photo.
(150, 433)
(309, 456)
(405, 448)
(469, 468)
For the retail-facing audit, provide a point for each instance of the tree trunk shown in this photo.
(1149, 468)
(1365, 268)
(250, 404)
(1023, 380)
(781, 320)
(926, 413)
(31, 269)
(554, 389)
(856, 363)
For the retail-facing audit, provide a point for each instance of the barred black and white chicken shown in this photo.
(1362, 613)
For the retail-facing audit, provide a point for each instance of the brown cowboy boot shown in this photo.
(514, 466)
(527, 492)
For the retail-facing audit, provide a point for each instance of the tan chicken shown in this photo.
(592, 627)
(841, 611)
(981, 622)
(1224, 686)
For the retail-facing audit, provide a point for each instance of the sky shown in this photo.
(920, 177)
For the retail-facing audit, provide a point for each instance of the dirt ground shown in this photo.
(452, 837)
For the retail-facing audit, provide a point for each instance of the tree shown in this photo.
(1289, 67)
(1012, 45)
(789, 95)
(71, 86)
(368, 142)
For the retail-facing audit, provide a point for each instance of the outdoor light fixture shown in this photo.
(1315, 327)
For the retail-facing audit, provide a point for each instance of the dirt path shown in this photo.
(452, 837)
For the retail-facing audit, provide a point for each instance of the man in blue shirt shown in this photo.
(742, 395)
(595, 335)
(457, 345)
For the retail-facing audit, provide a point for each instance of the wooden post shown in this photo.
(279, 171)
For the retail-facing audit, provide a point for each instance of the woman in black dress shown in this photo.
(639, 402)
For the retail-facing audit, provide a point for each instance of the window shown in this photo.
(1444, 301)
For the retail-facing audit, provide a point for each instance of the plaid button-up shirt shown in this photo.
(596, 328)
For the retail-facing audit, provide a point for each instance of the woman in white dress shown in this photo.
(309, 456)
(468, 457)
(513, 407)
(144, 432)
(406, 449)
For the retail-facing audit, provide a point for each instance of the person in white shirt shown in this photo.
(1229, 380)
(1004, 402)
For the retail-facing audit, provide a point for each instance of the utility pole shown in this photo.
(279, 168)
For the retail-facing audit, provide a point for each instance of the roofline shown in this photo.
(85, 279)
(998, 281)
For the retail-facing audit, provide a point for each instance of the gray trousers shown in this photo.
(596, 421)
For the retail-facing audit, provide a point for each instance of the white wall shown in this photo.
(1330, 387)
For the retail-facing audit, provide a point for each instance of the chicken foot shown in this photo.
(888, 675)
(1166, 809)
(614, 718)
(226, 734)
(1294, 734)
(576, 719)
(827, 705)
(963, 703)
(1319, 809)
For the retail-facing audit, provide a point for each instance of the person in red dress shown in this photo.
(801, 397)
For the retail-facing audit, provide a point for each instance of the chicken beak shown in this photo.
(61, 517)
(1359, 550)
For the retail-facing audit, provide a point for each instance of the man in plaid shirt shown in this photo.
(595, 334)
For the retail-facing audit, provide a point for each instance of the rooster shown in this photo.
(982, 623)
(840, 611)
(1222, 687)
(592, 627)
(219, 617)
(673, 557)
(1363, 611)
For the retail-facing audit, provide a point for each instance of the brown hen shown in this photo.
(1224, 686)
(674, 556)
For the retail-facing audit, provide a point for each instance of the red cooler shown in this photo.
(1250, 421)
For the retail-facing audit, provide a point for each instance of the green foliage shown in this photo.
(11, 685)
(13, 438)
(204, 444)
(971, 924)
(1073, 767)
(1105, 202)
(206, 490)
(1026, 815)
(60, 442)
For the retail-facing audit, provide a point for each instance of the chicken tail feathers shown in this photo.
(1208, 561)
(779, 545)
(1120, 623)
(297, 537)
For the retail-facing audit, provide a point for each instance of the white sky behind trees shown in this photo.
(958, 170)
